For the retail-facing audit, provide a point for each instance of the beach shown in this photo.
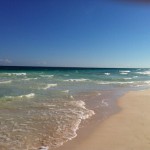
(128, 129)
(69, 107)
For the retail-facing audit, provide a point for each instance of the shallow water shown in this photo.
(45, 106)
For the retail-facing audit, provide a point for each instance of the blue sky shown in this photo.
(79, 33)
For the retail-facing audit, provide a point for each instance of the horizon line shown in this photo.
(73, 67)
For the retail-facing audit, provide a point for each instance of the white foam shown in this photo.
(99, 94)
(31, 95)
(81, 104)
(125, 71)
(104, 103)
(127, 78)
(77, 80)
(81, 114)
(71, 97)
(16, 74)
(49, 86)
(28, 79)
(66, 91)
(5, 82)
(107, 74)
(107, 82)
(47, 76)
(144, 73)
(147, 82)
(78, 104)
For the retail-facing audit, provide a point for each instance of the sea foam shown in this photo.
(5, 82)
(47, 76)
(49, 86)
(144, 73)
(107, 82)
(16, 74)
(107, 74)
(77, 80)
(31, 95)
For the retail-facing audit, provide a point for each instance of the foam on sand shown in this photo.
(126, 130)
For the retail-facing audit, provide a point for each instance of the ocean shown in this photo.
(45, 106)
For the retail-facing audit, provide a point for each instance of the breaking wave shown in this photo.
(144, 73)
(77, 80)
(49, 86)
(31, 95)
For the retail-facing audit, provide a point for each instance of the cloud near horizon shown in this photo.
(5, 61)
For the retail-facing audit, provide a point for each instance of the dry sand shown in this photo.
(126, 130)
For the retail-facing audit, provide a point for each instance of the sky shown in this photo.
(75, 33)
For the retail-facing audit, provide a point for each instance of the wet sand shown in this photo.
(127, 130)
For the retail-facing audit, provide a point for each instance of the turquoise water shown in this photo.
(44, 106)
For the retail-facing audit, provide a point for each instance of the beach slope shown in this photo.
(126, 130)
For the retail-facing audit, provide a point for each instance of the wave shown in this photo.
(5, 82)
(104, 103)
(66, 91)
(144, 73)
(31, 95)
(107, 82)
(127, 78)
(49, 86)
(28, 79)
(82, 114)
(77, 80)
(107, 73)
(147, 82)
(124, 71)
(81, 104)
(47, 76)
(16, 74)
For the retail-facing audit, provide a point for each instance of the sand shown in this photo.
(127, 130)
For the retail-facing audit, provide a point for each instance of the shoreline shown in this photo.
(127, 129)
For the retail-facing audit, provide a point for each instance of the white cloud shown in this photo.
(5, 61)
